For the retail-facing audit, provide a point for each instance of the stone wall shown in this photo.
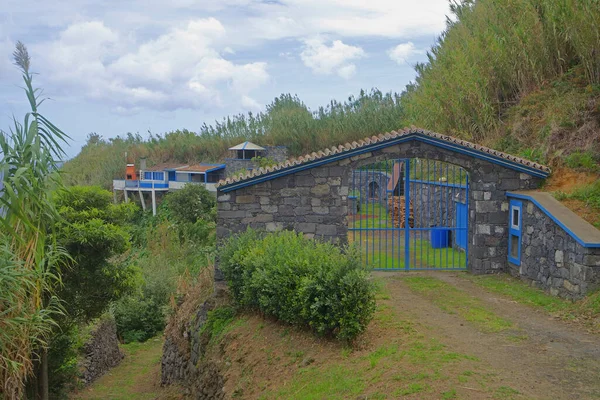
(185, 360)
(315, 201)
(361, 183)
(276, 153)
(234, 165)
(435, 204)
(552, 259)
(101, 352)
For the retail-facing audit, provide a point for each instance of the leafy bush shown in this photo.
(191, 204)
(139, 318)
(300, 281)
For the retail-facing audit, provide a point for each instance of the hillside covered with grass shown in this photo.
(522, 76)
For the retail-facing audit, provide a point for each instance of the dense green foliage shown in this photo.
(178, 241)
(286, 121)
(300, 281)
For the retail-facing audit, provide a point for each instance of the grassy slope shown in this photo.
(396, 357)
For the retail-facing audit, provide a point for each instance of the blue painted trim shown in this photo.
(451, 185)
(376, 146)
(152, 185)
(553, 218)
(407, 214)
(450, 228)
(468, 218)
(218, 167)
(518, 232)
(421, 269)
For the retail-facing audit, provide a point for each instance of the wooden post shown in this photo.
(114, 196)
(126, 197)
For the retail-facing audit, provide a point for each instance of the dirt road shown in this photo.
(539, 356)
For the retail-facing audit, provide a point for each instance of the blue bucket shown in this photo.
(439, 238)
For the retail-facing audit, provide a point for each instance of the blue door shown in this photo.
(172, 176)
(462, 215)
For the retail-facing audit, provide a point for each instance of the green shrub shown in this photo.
(300, 281)
(139, 317)
(217, 321)
(583, 160)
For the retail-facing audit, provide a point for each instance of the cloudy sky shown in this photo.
(116, 66)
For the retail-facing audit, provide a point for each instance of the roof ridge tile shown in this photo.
(382, 137)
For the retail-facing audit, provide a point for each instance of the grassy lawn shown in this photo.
(585, 311)
(456, 301)
(387, 251)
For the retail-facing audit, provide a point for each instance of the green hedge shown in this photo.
(300, 281)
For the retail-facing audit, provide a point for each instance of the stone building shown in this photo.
(312, 194)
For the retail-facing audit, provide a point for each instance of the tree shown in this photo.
(192, 204)
(93, 231)
(193, 211)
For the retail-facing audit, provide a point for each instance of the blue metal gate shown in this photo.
(410, 214)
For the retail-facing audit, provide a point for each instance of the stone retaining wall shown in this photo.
(188, 365)
(315, 201)
(101, 352)
(552, 259)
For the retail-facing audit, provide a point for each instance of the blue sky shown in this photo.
(114, 67)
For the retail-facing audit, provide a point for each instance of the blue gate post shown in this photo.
(468, 216)
(406, 214)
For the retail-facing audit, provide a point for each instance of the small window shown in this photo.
(514, 248)
(515, 217)
(515, 232)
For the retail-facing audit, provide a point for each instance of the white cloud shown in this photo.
(403, 52)
(323, 59)
(347, 71)
(347, 18)
(250, 104)
(181, 68)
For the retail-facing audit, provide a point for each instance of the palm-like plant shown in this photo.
(28, 257)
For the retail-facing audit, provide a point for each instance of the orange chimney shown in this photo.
(130, 172)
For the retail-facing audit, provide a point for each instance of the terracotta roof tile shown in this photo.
(378, 139)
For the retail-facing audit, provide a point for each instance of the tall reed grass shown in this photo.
(492, 53)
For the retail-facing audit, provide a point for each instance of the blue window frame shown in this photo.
(158, 176)
(147, 175)
(515, 229)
